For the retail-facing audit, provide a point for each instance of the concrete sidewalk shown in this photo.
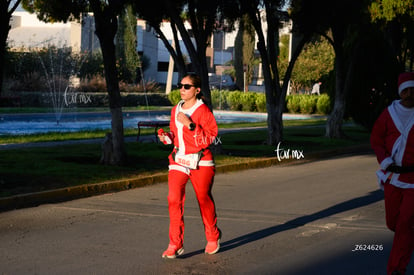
(317, 217)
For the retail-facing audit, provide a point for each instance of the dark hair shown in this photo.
(196, 81)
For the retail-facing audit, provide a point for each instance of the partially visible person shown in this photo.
(316, 89)
(192, 129)
(392, 140)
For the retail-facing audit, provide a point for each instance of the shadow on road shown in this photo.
(370, 198)
(300, 221)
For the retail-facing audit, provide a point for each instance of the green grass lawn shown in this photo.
(43, 168)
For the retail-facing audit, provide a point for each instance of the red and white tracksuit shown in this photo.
(189, 142)
(392, 139)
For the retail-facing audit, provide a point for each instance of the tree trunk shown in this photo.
(106, 27)
(274, 124)
(344, 77)
(119, 154)
(274, 117)
(334, 123)
(205, 85)
(4, 33)
(175, 51)
(274, 91)
(4, 30)
(335, 120)
(197, 53)
(274, 113)
(6, 10)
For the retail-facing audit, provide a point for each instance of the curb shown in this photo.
(88, 190)
(77, 192)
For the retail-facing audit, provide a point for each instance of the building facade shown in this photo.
(27, 32)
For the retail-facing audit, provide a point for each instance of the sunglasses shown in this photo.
(186, 86)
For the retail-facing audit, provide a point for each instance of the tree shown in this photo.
(314, 64)
(341, 29)
(203, 16)
(374, 83)
(385, 50)
(390, 9)
(244, 51)
(126, 46)
(269, 11)
(155, 15)
(7, 7)
(106, 24)
(396, 19)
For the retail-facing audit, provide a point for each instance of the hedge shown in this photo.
(223, 100)
(308, 104)
(256, 102)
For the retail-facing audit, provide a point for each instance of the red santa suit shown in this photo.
(392, 139)
(186, 142)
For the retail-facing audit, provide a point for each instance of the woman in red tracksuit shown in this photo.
(392, 139)
(192, 129)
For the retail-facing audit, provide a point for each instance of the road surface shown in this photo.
(322, 217)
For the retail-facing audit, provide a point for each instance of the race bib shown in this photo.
(189, 160)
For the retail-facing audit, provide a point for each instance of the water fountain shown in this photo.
(61, 71)
(61, 74)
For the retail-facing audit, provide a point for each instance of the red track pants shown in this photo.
(399, 211)
(202, 181)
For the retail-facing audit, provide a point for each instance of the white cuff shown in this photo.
(386, 162)
(179, 168)
(206, 163)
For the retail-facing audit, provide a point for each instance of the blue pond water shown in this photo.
(19, 124)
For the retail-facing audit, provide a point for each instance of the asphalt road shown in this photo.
(323, 217)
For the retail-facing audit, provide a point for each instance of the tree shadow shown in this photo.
(370, 198)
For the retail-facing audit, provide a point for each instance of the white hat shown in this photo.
(405, 80)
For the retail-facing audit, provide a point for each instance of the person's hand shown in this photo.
(184, 119)
(162, 138)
